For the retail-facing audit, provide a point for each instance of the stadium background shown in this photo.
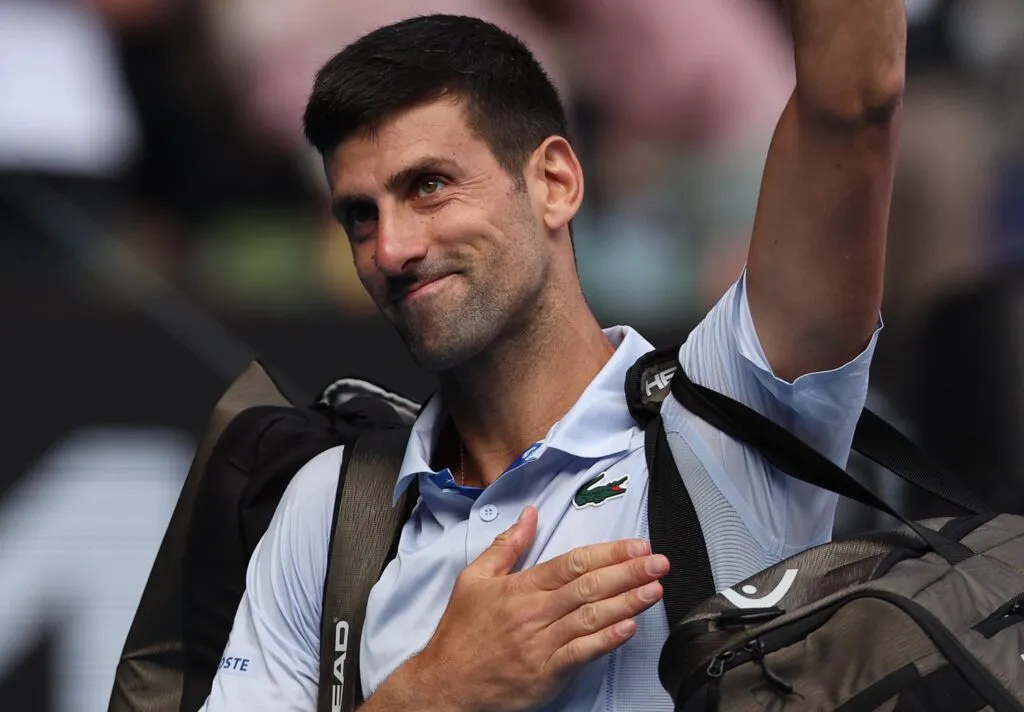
(161, 221)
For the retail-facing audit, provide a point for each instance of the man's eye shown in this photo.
(429, 186)
(360, 213)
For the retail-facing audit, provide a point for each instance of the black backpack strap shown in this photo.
(877, 440)
(874, 439)
(671, 517)
(675, 530)
(365, 530)
(791, 455)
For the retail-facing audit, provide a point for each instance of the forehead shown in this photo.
(364, 162)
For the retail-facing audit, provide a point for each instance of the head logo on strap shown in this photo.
(340, 656)
(656, 384)
(649, 381)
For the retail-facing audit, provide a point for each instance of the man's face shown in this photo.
(445, 241)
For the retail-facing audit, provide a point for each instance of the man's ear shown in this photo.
(555, 178)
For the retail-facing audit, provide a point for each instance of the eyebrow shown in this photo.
(395, 182)
(427, 164)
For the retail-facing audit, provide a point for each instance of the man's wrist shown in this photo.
(411, 687)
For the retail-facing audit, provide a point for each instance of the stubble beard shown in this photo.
(449, 335)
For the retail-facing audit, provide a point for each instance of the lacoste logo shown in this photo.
(592, 494)
(768, 600)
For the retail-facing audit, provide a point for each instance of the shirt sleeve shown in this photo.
(723, 353)
(271, 661)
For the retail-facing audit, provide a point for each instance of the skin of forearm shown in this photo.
(413, 687)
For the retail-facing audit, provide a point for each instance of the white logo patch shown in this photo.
(768, 600)
(340, 655)
(659, 381)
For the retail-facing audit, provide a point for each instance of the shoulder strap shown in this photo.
(791, 455)
(874, 438)
(362, 540)
(879, 441)
(675, 529)
(671, 517)
(651, 378)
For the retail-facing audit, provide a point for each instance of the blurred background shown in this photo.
(161, 221)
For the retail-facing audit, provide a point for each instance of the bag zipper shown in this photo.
(756, 649)
(1007, 615)
(977, 676)
(770, 641)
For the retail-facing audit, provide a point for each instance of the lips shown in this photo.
(420, 288)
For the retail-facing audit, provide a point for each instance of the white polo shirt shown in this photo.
(751, 516)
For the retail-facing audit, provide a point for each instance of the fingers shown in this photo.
(553, 574)
(590, 618)
(580, 651)
(597, 628)
(605, 584)
(502, 554)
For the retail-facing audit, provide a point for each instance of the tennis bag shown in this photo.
(926, 617)
(259, 435)
(871, 624)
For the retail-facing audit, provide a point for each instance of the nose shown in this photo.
(401, 242)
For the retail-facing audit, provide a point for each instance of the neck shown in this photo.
(508, 397)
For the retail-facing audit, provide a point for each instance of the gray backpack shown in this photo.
(877, 623)
(928, 617)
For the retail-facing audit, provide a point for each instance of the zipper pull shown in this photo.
(716, 668)
(756, 649)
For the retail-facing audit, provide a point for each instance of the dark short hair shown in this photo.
(510, 101)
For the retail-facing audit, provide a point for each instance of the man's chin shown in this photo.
(441, 344)
(437, 357)
(434, 360)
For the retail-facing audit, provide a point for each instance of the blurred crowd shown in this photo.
(190, 112)
(175, 126)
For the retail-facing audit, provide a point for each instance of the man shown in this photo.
(523, 579)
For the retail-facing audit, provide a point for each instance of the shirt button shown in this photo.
(488, 512)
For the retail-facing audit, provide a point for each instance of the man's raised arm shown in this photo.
(817, 255)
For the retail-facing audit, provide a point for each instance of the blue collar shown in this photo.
(598, 425)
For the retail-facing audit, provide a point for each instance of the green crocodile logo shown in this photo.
(591, 494)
